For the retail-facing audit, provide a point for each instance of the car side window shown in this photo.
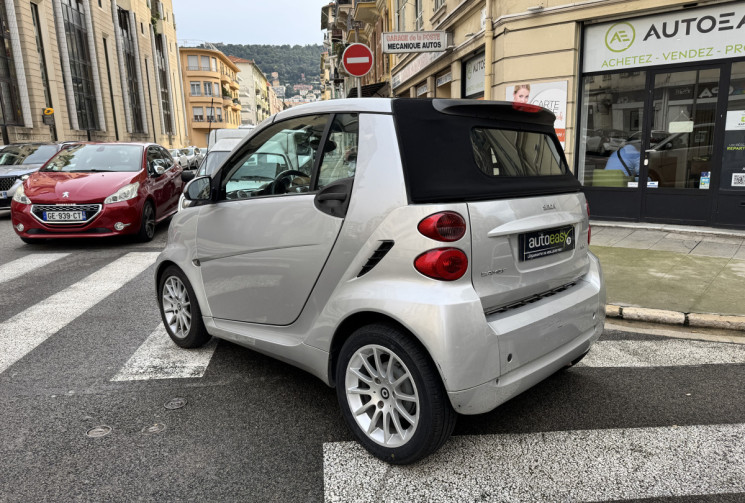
(279, 160)
(168, 161)
(340, 151)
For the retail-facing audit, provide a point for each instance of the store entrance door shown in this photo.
(680, 151)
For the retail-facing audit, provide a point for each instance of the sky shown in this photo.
(274, 22)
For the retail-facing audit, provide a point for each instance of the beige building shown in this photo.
(648, 94)
(99, 70)
(210, 81)
(257, 98)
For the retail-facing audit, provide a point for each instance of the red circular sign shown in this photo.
(357, 60)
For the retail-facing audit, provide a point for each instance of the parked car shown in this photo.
(427, 258)
(17, 161)
(193, 156)
(228, 133)
(96, 190)
(182, 159)
(213, 160)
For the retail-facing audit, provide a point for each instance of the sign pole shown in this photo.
(359, 88)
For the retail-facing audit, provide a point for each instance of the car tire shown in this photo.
(403, 413)
(147, 223)
(180, 311)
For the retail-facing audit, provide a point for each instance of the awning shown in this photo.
(377, 90)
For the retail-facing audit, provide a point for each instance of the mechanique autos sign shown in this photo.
(418, 41)
(675, 37)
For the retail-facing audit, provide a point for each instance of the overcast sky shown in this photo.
(274, 22)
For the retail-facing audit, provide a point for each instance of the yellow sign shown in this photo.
(49, 111)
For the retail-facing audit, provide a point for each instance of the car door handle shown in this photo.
(332, 196)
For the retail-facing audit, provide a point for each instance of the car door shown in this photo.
(262, 245)
(174, 186)
(158, 182)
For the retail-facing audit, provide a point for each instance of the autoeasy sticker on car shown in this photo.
(546, 242)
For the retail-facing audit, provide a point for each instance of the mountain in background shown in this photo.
(291, 62)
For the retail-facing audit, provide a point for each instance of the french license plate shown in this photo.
(547, 242)
(4, 194)
(64, 216)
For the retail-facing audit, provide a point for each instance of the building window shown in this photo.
(400, 19)
(192, 63)
(198, 114)
(419, 17)
(439, 3)
(130, 62)
(80, 66)
(219, 115)
(196, 89)
(208, 89)
(165, 98)
(205, 63)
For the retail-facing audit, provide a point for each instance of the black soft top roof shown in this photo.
(437, 154)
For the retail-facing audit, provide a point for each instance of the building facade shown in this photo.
(210, 80)
(90, 70)
(258, 100)
(649, 94)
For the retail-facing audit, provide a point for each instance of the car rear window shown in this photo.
(468, 150)
(505, 152)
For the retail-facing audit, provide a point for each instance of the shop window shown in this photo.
(611, 121)
(733, 154)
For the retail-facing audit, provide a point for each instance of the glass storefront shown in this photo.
(662, 121)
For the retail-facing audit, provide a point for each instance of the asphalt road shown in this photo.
(96, 406)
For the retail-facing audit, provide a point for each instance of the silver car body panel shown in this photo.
(484, 359)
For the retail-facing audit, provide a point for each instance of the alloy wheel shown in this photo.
(382, 396)
(176, 307)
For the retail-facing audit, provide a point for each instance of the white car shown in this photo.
(426, 258)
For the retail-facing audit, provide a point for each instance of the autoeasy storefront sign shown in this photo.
(677, 37)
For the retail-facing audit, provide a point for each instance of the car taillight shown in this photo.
(446, 264)
(526, 107)
(445, 226)
(589, 227)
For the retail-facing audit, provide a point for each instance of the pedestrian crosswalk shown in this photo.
(601, 464)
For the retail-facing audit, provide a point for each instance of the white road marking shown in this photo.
(159, 358)
(588, 465)
(361, 59)
(665, 353)
(25, 331)
(23, 265)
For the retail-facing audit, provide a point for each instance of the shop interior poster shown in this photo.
(733, 158)
(551, 95)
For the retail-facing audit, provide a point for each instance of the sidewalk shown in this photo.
(672, 274)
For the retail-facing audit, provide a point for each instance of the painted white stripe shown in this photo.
(159, 358)
(361, 59)
(667, 353)
(590, 465)
(23, 265)
(25, 331)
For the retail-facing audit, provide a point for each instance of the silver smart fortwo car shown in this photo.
(427, 258)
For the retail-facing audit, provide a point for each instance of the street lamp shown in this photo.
(209, 119)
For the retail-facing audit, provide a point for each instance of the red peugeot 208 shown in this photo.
(99, 189)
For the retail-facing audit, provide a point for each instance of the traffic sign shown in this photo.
(357, 60)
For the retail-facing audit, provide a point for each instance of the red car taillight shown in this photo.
(589, 227)
(526, 107)
(446, 264)
(445, 226)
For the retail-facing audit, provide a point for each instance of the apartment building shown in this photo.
(90, 70)
(258, 99)
(661, 82)
(210, 81)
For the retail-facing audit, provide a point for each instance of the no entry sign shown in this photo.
(357, 60)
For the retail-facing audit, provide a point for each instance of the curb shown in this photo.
(676, 318)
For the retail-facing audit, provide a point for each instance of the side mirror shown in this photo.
(156, 169)
(199, 189)
(187, 175)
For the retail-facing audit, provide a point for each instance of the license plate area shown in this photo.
(538, 244)
(3, 194)
(63, 216)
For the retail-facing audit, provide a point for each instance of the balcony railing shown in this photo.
(199, 68)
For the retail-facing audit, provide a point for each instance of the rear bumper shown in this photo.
(535, 341)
